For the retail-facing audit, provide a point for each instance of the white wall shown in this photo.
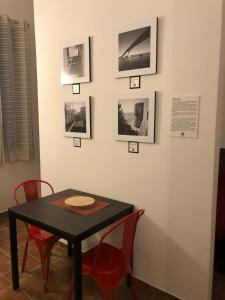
(196, 53)
(172, 179)
(14, 173)
(222, 138)
(223, 126)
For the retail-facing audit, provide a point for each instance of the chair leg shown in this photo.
(25, 255)
(47, 271)
(45, 251)
(45, 262)
(133, 288)
(129, 274)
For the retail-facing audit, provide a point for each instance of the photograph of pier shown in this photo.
(75, 117)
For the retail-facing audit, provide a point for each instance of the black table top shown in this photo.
(65, 223)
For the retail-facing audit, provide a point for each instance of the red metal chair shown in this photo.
(43, 239)
(106, 264)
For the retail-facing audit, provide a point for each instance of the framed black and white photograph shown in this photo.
(135, 82)
(76, 62)
(135, 118)
(76, 88)
(77, 118)
(133, 147)
(136, 50)
(77, 142)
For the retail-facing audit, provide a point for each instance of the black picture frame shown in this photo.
(133, 147)
(76, 88)
(77, 142)
(135, 82)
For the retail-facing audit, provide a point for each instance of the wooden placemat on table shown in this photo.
(84, 211)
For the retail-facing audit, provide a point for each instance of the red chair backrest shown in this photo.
(31, 189)
(130, 225)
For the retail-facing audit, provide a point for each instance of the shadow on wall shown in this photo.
(183, 276)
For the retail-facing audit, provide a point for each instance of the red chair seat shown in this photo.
(106, 264)
(110, 260)
(110, 266)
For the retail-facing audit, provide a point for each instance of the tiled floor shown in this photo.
(60, 274)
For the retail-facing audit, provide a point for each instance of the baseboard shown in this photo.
(85, 247)
(62, 242)
(4, 213)
(158, 288)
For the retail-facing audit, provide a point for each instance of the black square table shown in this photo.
(65, 224)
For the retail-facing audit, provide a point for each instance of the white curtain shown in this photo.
(16, 141)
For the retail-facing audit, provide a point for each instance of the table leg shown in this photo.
(77, 266)
(13, 251)
(69, 248)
